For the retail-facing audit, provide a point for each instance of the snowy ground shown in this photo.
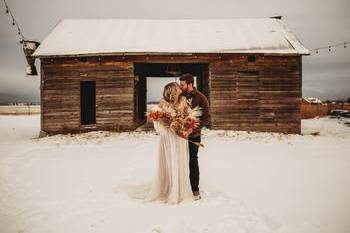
(257, 182)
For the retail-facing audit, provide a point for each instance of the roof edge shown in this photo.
(162, 53)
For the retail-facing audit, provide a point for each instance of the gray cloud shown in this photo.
(316, 23)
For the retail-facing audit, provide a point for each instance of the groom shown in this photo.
(196, 98)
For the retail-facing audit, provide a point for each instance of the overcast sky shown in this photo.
(316, 23)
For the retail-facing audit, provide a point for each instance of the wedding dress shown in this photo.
(171, 182)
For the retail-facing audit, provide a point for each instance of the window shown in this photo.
(251, 58)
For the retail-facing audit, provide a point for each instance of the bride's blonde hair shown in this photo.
(170, 93)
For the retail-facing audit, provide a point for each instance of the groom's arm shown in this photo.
(205, 118)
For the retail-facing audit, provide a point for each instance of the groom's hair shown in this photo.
(187, 77)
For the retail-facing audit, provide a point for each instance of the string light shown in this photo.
(329, 47)
(14, 22)
(28, 46)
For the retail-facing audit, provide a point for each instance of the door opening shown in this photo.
(87, 102)
(149, 77)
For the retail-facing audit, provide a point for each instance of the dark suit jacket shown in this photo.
(197, 98)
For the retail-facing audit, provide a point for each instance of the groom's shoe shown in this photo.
(196, 195)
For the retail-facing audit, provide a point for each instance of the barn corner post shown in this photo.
(42, 133)
(300, 64)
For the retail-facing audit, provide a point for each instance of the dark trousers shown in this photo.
(194, 169)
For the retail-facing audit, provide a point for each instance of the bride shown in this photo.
(171, 183)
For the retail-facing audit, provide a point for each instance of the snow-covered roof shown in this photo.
(119, 36)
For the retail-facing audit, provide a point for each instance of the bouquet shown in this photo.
(180, 121)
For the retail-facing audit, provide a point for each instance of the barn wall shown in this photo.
(264, 95)
(60, 93)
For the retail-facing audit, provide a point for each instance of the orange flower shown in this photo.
(181, 122)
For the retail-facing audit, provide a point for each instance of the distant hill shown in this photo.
(8, 98)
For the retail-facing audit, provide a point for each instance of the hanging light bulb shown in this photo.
(173, 69)
(344, 45)
(317, 51)
(329, 48)
(7, 10)
(13, 22)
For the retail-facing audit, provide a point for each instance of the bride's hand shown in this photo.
(186, 134)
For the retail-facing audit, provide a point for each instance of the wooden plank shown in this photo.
(266, 91)
(61, 94)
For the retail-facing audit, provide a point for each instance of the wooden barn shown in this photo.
(94, 71)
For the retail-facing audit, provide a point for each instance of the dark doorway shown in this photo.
(87, 102)
(144, 70)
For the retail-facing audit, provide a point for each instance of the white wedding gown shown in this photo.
(171, 183)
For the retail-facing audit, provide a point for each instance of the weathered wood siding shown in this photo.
(260, 95)
(264, 95)
(60, 94)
